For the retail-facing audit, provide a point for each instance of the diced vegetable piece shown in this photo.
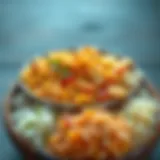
(117, 92)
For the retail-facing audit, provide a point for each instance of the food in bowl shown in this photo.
(79, 77)
(93, 133)
(89, 78)
(140, 112)
(34, 124)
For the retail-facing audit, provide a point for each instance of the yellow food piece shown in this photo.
(82, 98)
(64, 57)
(117, 91)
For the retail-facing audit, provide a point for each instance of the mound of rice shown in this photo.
(140, 113)
(34, 123)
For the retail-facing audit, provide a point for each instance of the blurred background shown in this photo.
(27, 28)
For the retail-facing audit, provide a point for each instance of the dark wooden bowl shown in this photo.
(31, 153)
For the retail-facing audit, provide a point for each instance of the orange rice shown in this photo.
(91, 134)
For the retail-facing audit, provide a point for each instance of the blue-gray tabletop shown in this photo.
(29, 27)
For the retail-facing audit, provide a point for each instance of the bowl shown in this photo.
(71, 106)
(31, 153)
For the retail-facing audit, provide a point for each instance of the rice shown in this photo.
(34, 123)
(140, 113)
(133, 78)
(91, 132)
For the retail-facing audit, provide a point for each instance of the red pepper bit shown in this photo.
(67, 81)
(66, 122)
(121, 70)
(103, 96)
(103, 84)
(88, 89)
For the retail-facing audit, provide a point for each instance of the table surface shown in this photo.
(28, 28)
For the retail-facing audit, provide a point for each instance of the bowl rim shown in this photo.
(26, 147)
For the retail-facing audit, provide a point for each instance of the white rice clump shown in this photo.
(34, 123)
(134, 78)
(140, 112)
